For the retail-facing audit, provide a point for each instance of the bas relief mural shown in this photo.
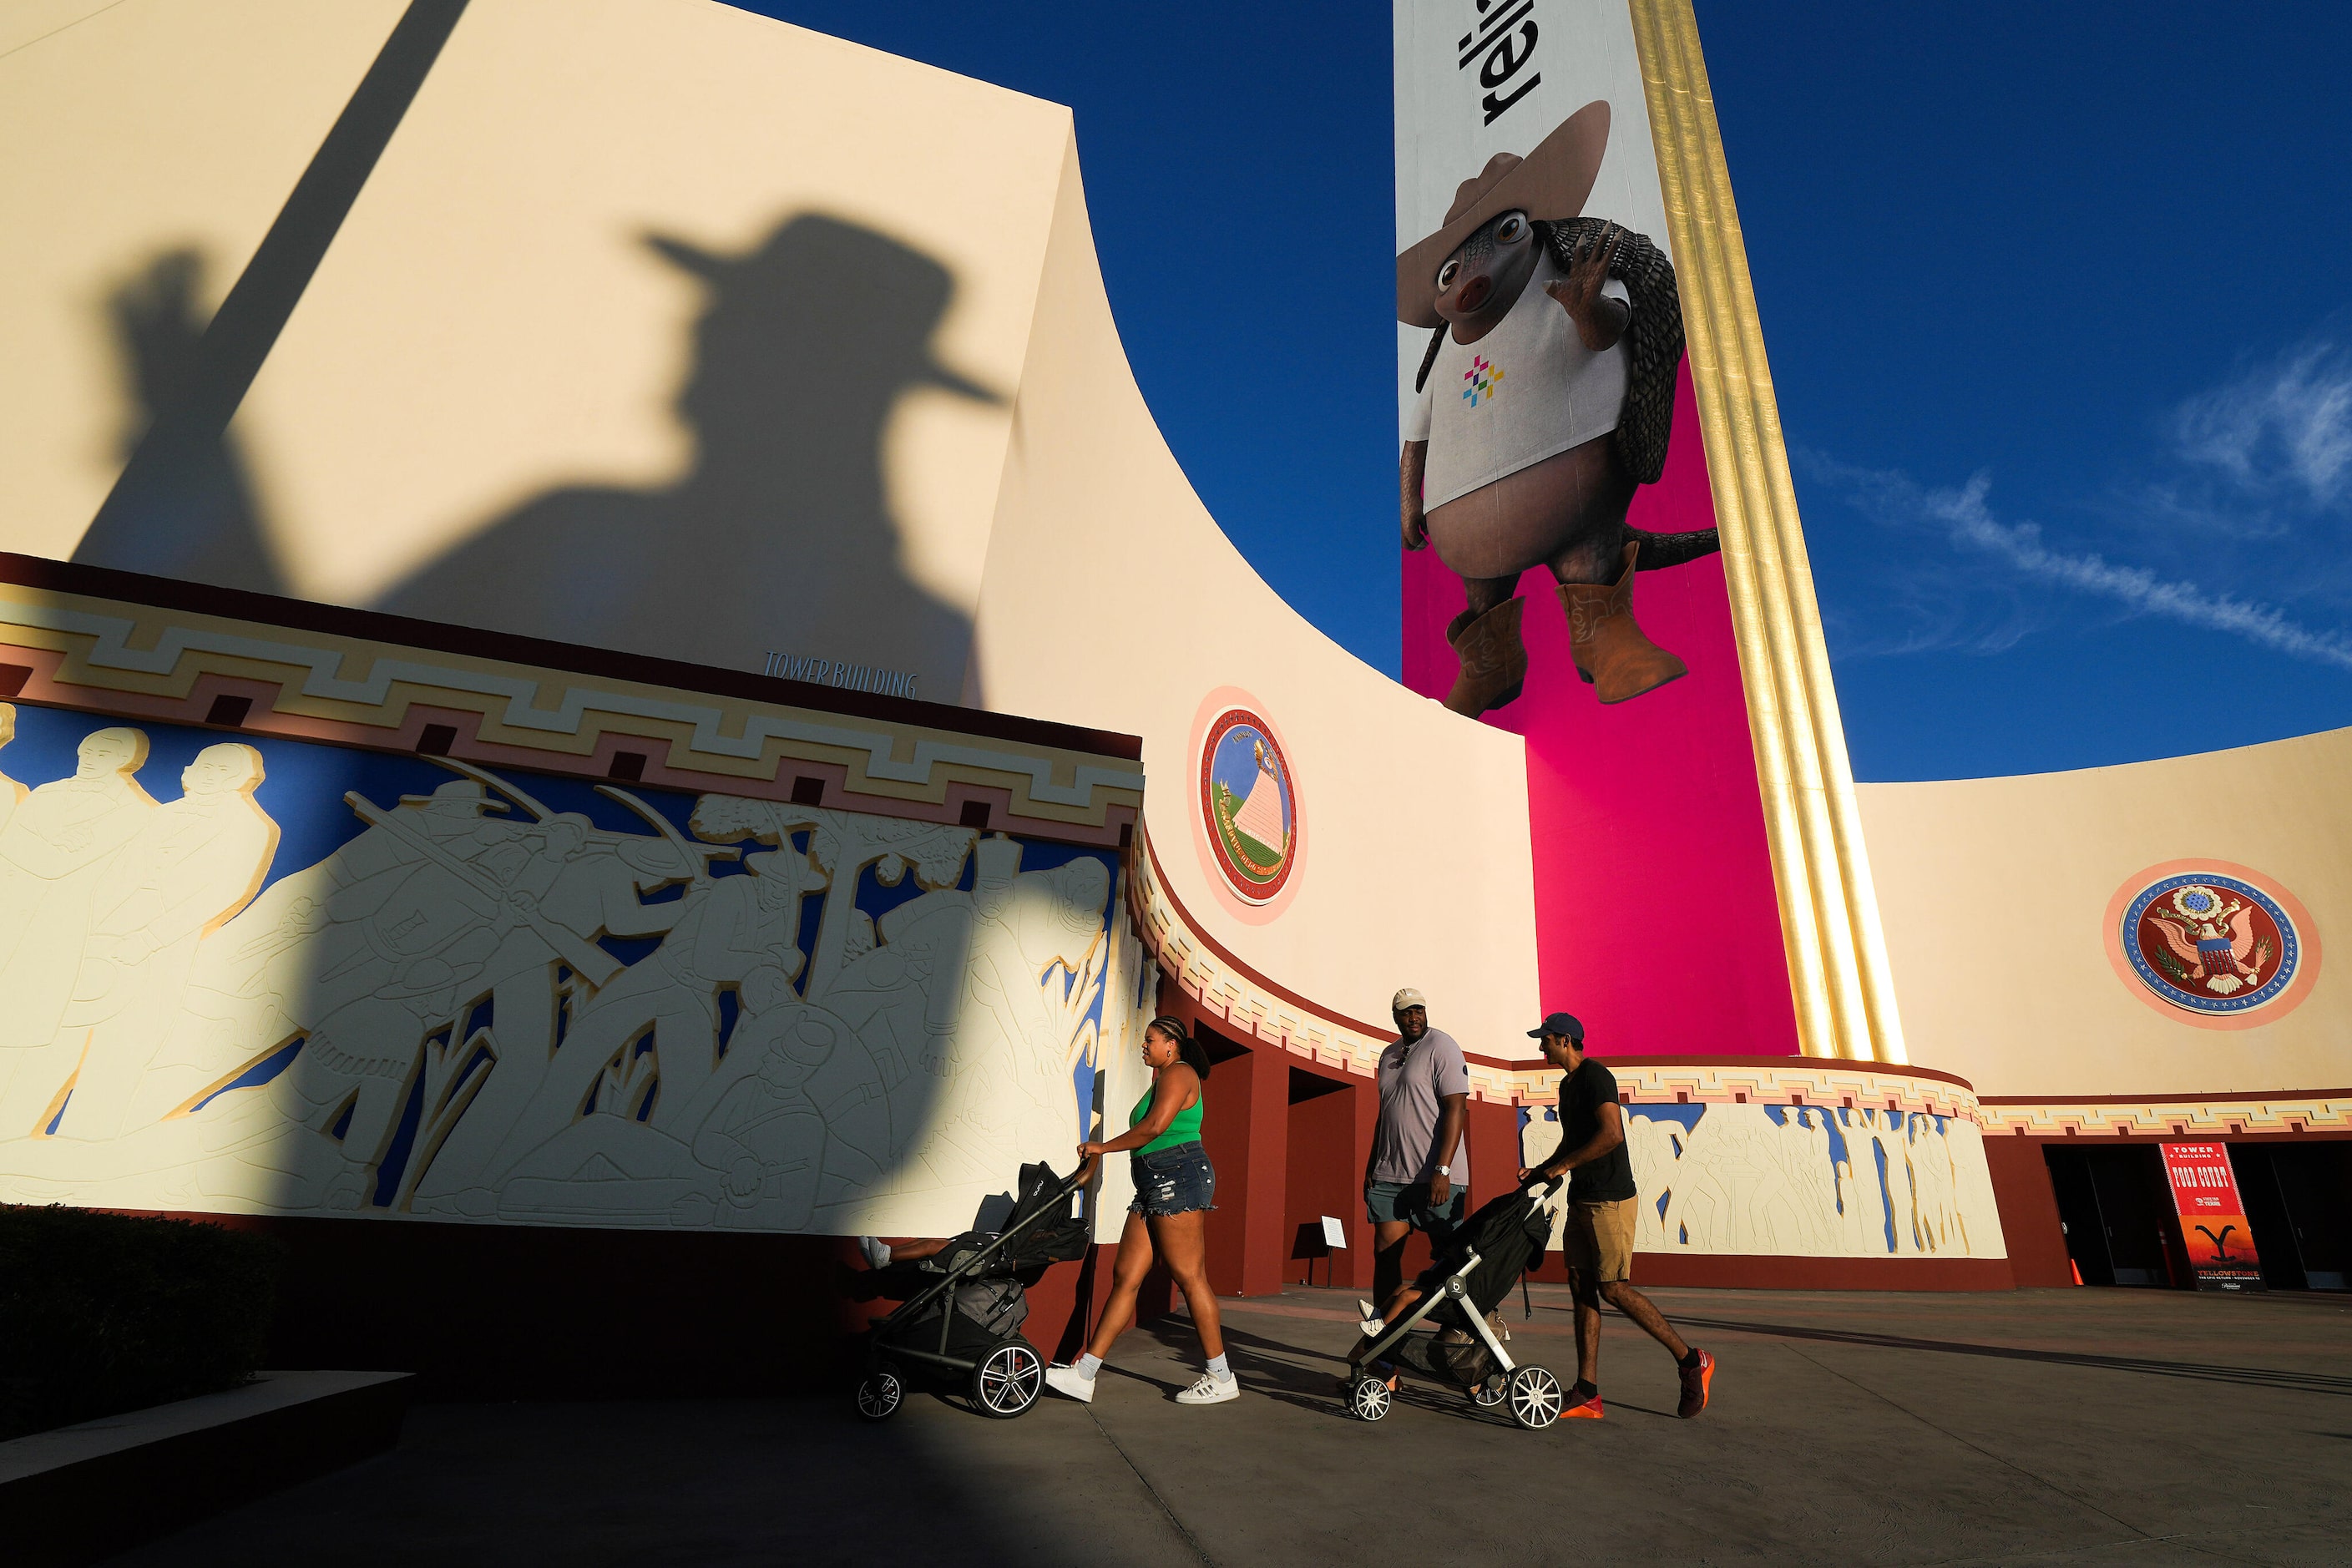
(446, 991)
(1802, 1181)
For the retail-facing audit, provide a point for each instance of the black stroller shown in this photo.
(961, 1311)
(1469, 1277)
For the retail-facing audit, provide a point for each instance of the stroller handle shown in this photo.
(1544, 1188)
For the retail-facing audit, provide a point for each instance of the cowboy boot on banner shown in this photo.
(1493, 660)
(1616, 659)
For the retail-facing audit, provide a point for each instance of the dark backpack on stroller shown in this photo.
(1508, 1235)
(1061, 1238)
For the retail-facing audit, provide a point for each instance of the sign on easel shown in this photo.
(2213, 1216)
(1335, 1234)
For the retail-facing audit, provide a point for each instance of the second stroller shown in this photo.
(1471, 1273)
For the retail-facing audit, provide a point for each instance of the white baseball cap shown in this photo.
(1408, 997)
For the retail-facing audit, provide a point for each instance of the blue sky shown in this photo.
(2056, 300)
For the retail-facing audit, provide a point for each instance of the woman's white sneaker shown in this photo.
(1065, 1380)
(1211, 1390)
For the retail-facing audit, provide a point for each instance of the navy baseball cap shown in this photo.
(1558, 1023)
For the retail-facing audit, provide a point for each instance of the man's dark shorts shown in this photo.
(1385, 1202)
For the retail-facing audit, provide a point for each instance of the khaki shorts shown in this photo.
(1599, 1240)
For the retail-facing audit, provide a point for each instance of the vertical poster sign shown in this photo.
(2212, 1217)
(1560, 569)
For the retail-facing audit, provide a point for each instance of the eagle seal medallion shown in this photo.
(2211, 944)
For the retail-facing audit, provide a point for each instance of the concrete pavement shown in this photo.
(2062, 1426)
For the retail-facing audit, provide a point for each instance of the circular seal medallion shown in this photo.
(2210, 942)
(1249, 804)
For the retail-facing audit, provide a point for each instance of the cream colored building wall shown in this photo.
(574, 366)
(498, 280)
(1995, 895)
(1112, 599)
(137, 133)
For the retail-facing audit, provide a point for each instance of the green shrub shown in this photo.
(101, 1312)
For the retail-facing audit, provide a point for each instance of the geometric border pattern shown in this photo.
(139, 661)
(1250, 1006)
(2189, 1116)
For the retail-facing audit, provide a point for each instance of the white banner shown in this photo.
(1475, 77)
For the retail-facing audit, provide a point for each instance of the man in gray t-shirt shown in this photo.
(1419, 1175)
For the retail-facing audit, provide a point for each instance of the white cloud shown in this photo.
(2286, 423)
(1963, 516)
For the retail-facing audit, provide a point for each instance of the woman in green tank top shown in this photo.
(1175, 1188)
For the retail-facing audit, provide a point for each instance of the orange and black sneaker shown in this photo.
(1695, 1382)
(1586, 1409)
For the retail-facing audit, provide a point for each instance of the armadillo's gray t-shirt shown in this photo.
(1414, 1081)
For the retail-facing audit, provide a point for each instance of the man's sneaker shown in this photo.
(1587, 1410)
(1211, 1390)
(1695, 1382)
(1379, 1371)
(1065, 1380)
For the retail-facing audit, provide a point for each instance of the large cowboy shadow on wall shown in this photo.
(780, 534)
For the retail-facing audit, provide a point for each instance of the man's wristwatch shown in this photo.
(1445, 1170)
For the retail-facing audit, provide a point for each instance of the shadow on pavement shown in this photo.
(705, 1482)
(2246, 1376)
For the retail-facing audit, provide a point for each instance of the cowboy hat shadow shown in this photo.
(780, 534)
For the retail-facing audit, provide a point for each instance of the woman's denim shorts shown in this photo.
(1178, 1180)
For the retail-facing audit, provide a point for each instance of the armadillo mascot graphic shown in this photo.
(1545, 401)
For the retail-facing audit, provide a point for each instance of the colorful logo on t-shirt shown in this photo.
(1248, 798)
(2211, 944)
(1484, 376)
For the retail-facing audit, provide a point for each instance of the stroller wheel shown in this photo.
(1488, 1391)
(880, 1394)
(1370, 1399)
(1008, 1378)
(1535, 1398)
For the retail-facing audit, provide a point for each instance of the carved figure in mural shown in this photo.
(1022, 957)
(1733, 1191)
(450, 960)
(647, 1041)
(810, 1125)
(352, 1076)
(805, 1061)
(1545, 400)
(588, 885)
(11, 792)
(54, 855)
(433, 878)
(193, 864)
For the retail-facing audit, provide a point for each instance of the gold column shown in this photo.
(1829, 912)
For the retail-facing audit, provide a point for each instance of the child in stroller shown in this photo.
(1473, 1271)
(962, 1301)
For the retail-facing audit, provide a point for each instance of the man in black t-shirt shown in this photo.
(1598, 1237)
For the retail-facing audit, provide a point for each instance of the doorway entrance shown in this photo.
(2116, 1209)
(2299, 1201)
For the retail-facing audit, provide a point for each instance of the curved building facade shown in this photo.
(584, 710)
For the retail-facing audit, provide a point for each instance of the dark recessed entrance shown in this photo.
(2117, 1210)
(2299, 1201)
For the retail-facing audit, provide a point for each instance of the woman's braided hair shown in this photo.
(1190, 1051)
